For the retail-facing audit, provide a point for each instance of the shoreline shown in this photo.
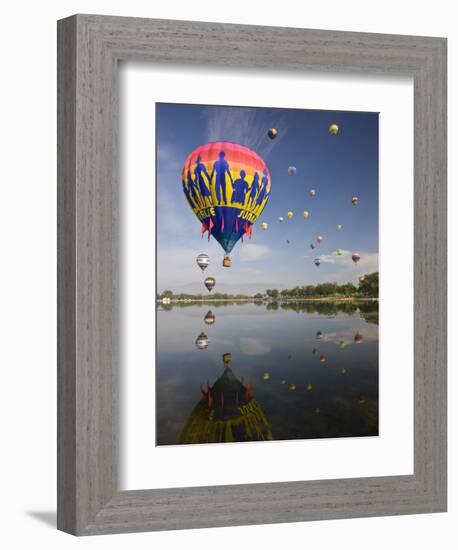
(282, 301)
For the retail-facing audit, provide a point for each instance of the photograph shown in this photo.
(267, 274)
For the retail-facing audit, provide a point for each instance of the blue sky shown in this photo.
(337, 167)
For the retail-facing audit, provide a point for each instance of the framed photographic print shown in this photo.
(252, 275)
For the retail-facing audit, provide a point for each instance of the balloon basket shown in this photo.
(227, 262)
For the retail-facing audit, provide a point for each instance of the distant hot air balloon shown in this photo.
(342, 344)
(272, 133)
(280, 219)
(283, 382)
(209, 318)
(210, 283)
(355, 257)
(290, 214)
(339, 252)
(322, 359)
(312, 246)
(264, 225)
(339, 226)
(202, 261)
(319, 239)
(306, 214)
(292, 170)
(312, 192)
(333, 129)
(227, 187)
(358, 338)
(317, 261)
(202, 341)
(319, 335)
(292, 387)
(343, 370)
(361, 278)
(354, 201)
(309, 387)
(266, 376)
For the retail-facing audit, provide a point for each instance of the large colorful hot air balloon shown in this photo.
(227, 187)
(210, 283)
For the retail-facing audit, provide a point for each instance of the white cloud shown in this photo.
(253, 252)
(253, 346)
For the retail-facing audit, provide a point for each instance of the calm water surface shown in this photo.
(297, 370)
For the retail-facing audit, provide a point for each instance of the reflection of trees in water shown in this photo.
(368, 310)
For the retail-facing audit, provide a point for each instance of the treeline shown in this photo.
(368, 287)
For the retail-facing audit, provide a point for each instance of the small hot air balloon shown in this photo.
(361, 278)
(312, 246)
(291, 170)
(355, 257)
(319, 335)
(202, 341)
(283, 382)
(333, 129)
(312, 192)
(343, 370)
(287, 242)
(342, 344)
(317, 261)
(202, 261)
(322, 359)
(264, 225)
(272, 133)
(354, 201)
(339, 252)
(292, 387)
(309, 387)
(209, 318)
(358, 338)
(306, 214)
(266, 376)
(280, 219)
(339, 226)
(290, 214)
(210, 283)
(319, 239)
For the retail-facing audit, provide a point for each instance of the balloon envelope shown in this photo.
(333, 129)
(312, 192)
(319, 239)
(210, 283)
(272, 133)
(290, 214)
(317, 261)
(355, 257)
(202, 341)
(227, 187)
(306, 214)
(209, 318)
(354, 201)
(202, 261)
(291, 170)
(264, 225)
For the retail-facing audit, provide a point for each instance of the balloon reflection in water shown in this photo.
(209, 319)
(202, 341)
(322, 359)
(358, 338)
(319, 335)
(226, 412)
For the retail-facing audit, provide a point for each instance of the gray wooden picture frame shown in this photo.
(89, 49)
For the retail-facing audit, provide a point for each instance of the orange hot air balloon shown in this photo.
(227, 187)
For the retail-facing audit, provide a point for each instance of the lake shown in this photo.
(266, 371)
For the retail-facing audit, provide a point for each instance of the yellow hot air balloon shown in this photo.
(309, 387)
(290, 214)
(292, 387)
(333, 129)
(266, 376)
(306, 214)
(264, 225)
